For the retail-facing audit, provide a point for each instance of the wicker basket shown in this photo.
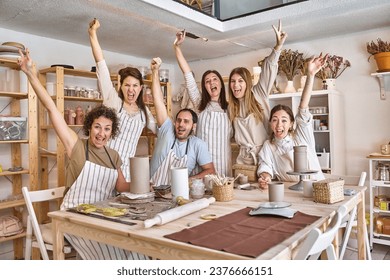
(328, 191)
(224, 192)
(248, 170)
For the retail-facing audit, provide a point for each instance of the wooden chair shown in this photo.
(349, 220)
(316, 241)
(43, 233)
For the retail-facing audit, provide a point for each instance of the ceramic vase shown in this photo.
(329, 84)
(290, 87)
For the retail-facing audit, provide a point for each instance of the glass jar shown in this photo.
(383, 172)
(197, 188)
(71, 91)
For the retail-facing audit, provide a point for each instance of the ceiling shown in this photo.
(146, 28)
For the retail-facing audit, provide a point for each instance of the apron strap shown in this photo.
(87, 154)
(186, 145)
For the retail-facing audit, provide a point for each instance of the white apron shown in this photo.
(285, 162)
(214, 128)
(162, 176)
(95, 183)
(126, 142)
(250, 137)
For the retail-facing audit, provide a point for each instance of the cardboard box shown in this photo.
(13, 128)
(323, 158)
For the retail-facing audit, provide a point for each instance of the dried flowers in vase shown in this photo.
(333, 68)
(290, 63)
(378, 47)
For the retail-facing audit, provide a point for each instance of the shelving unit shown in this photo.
(16, 156)
(377, 187)
(332, 139)
(384, 83)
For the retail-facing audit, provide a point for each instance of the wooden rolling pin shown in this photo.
(178, 212)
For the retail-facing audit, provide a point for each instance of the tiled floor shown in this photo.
(379, 252)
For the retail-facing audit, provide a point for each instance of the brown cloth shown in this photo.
(242, 234)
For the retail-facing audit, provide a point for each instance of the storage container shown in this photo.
(13, 128)
(328, 191)
(323, 158)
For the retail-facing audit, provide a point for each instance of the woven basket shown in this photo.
(328, 191)
(245, 169)
(224, 192)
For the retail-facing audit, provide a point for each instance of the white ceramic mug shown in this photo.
(275, 191)
(307, 188)
(179, 184)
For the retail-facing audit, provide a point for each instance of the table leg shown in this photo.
(58, 241)
(360, 228)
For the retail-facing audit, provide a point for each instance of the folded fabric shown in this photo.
(242, 234)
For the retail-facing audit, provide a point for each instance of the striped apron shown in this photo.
(126, 142)
(95, 183)
(162, 176)
(214, 128)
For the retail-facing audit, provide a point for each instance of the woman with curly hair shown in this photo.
(128, 102)
(93, 171)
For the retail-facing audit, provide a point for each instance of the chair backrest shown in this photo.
(350, 180)
(38, 196)
(316, 241)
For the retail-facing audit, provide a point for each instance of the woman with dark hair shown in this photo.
(128, 102)
(214, 126)
(93, 171)
(276, 156)
(249, 104)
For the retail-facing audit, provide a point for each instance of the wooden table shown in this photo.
(152, 243)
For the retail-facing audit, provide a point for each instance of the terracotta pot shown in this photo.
(382, 61)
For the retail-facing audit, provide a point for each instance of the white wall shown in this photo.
(367, 118)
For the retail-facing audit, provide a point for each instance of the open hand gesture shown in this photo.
(316, 63)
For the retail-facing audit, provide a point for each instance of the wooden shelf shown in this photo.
(9, 173)
(15, 95)
(11, 203)
(13, 141)
(13, 237)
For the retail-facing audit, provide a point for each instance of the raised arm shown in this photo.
(93, 39)
(158, 99)
(313, 66)
(180, 36)
(68, 136)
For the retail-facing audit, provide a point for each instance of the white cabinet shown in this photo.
(379, 190)
(326, 107)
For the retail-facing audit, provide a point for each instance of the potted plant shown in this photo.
(333, 68)
(381, 52)
(290, 63)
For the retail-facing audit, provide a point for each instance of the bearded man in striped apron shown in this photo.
(176, 146)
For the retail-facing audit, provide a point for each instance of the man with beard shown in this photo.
(176, 145)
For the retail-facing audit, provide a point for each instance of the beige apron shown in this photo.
(214, 128)
(285, 162)
(162, 176)
(126, 141)
(95, 183)
(250, 137)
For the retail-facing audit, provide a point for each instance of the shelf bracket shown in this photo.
(384, 84)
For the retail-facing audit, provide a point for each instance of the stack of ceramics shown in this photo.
(132, 198)
(11, 50)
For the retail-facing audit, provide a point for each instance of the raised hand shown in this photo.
(25, 61)
(180, 36)
(316, 63)
(281, 36)
(155, 63)
(94, 25)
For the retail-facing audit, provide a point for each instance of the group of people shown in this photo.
(99, 165)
